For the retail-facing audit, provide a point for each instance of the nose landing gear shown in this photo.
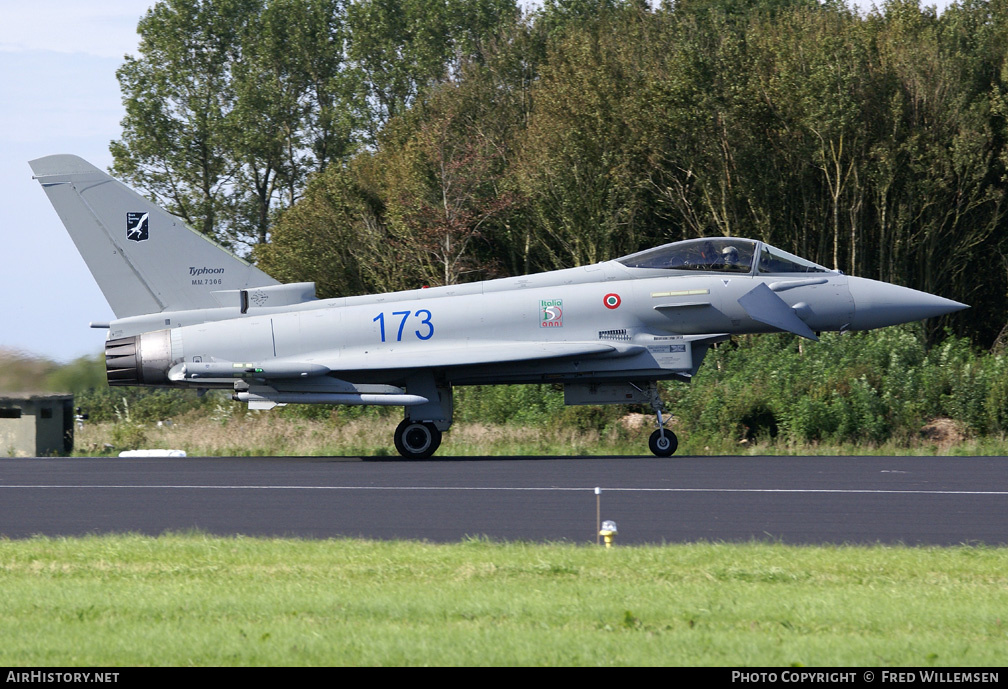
(663, 442)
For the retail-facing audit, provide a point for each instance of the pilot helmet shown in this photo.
(729, 254)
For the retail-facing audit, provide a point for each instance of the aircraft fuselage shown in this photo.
(643, 320)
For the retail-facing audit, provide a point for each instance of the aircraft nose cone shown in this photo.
(878, 304)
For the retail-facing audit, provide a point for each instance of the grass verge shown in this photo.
(268, 434)
(199, 600)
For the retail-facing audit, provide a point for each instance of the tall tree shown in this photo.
(339, 237)
(180, 100)
(581, 157)
(290, 89)
(401, 47)
(447, 182)
(231, 104)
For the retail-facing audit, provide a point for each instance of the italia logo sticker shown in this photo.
(612, 300)
(137, 228)
(552, 313)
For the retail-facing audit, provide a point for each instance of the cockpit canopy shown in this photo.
(723, 255)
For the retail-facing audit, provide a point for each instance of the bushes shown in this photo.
(846, 388)
(141, 405)
(525, 405)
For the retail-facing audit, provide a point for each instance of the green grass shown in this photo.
(198, 600)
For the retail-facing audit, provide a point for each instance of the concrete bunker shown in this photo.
(36, 424)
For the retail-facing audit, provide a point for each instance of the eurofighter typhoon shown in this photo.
(189, 314)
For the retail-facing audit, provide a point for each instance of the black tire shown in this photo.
(397, 438)
(663, 446)
(436, 435)
(416, 440)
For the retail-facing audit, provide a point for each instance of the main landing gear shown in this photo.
(416, 439)
(663, 442)
(418, 435)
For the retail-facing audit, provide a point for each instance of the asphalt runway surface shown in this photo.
(794, 500)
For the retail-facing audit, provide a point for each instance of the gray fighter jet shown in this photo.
(190, 314)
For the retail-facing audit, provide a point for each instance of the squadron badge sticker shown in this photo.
(136, 226)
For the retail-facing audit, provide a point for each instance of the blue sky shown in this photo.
(59, 95)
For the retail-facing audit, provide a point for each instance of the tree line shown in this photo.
(382, 144)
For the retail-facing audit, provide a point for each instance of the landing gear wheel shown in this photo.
(436, 434)
(416, 440)
(663, 445)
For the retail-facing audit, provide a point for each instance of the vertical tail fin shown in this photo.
(144, 259)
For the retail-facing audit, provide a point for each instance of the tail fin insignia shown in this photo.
(137, 227)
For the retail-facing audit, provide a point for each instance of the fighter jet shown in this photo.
(189, 314)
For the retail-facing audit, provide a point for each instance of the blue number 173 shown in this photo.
(424, 315)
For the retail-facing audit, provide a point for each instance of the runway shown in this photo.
(794, 500)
